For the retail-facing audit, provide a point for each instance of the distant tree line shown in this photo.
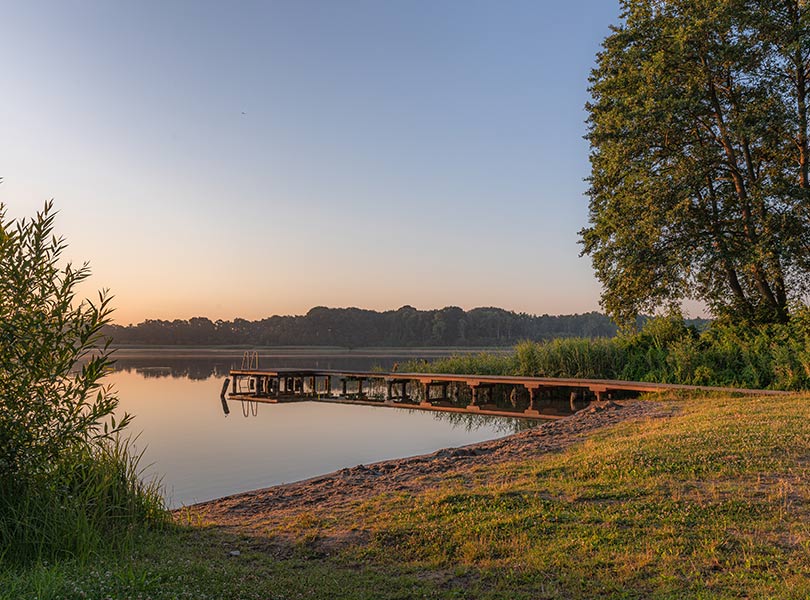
(354, 327)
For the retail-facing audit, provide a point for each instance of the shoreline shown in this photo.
(265, 509)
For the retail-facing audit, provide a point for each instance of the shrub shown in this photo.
(47, 407)
(64, 475)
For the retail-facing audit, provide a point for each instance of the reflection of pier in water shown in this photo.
(508, 396)
(468, 421)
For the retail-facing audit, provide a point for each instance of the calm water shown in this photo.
(202, 453)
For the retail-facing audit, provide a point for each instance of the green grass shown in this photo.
(713, 502)
(90, 501)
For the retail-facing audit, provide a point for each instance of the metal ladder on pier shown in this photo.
(250, 360)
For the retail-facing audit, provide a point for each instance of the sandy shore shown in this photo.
(265, 509)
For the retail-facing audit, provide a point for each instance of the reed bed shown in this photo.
(665, 350)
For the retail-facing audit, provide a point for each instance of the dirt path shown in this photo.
(346, 488)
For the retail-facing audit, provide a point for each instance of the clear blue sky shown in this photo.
(245, 159)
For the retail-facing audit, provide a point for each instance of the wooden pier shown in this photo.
(500, 395)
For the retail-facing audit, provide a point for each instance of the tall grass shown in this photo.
(91, 502)
(574, 357)
(665, 350)
(483, 363)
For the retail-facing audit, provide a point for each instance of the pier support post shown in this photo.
(473, 405)
(572, 399)
(598, 390)
(390, 392)
(360, 388)
(233, 384)
(345, 383)
(426, 399)
(532, 411)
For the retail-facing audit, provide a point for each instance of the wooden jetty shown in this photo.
(500, 395)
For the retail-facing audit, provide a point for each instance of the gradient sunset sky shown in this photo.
(255, 158)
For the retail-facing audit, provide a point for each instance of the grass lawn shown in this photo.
(713, 502)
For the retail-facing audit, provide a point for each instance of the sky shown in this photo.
(255, 158)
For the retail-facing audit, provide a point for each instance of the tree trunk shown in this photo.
(757, 270)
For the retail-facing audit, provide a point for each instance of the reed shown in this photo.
(483, 363)
(664, 350)
(92, 502)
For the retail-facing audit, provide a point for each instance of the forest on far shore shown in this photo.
(354, 328)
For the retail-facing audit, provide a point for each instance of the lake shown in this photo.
(203, 453)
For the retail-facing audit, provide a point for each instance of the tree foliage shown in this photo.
(700, 189)
(52, 352)
(354, 327)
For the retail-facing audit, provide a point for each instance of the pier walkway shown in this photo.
(501, 395)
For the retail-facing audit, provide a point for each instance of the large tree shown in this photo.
(698, 127)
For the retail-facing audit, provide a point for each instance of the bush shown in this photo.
(65, 477)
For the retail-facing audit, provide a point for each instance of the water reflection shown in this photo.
(201, 368)
(200, 364)
(250, 408)
(469, 422)
(195, 369)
